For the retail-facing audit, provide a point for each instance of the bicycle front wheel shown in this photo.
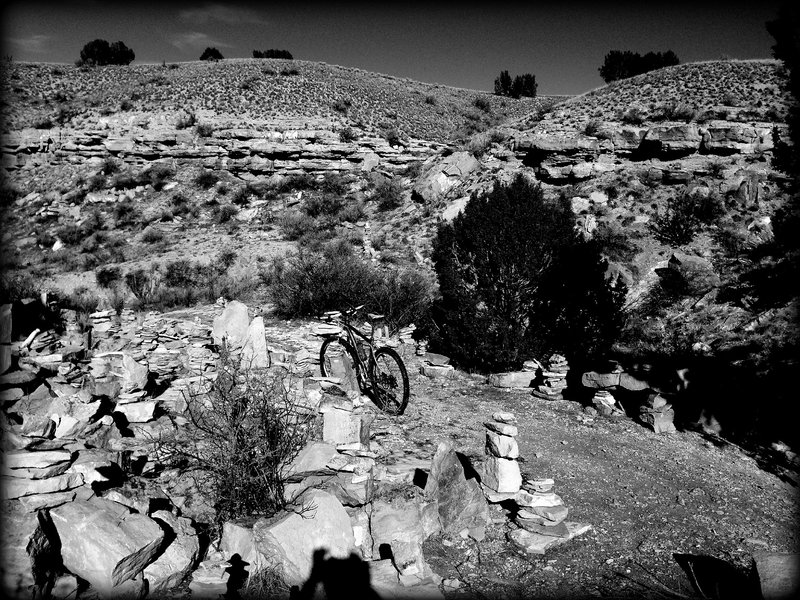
(390, 382)
(338, 359)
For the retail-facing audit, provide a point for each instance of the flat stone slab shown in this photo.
(13, 487)
(35, 460)
(39, 501)
(514, 379)
(600, 381)
(502, 428)
(504, 417)
(553, 514)
(438, 371)
(536, 543)
(544, 499)
(312, 458)
(17, 378)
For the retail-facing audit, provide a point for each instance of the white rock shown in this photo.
(501, 474)
(104, 543)
(137, 412)
(231, 325)
(343, 427)
(254, 353)
(503, 446)
(290, 542)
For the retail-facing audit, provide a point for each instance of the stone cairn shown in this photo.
(554, 379)
(501, 469)
(533, 506)
(658, 414)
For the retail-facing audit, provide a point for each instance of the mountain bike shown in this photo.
(379, 372)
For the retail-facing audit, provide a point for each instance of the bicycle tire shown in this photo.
(330, 348)
(389, 379)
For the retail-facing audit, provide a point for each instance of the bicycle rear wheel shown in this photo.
(338, 359)
(390, 382)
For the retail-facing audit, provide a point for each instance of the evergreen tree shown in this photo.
(505, 295)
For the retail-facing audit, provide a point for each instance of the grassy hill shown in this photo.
(248, 89)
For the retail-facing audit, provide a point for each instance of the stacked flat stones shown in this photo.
(103, 325)
(534, 506)
(436, 366)
(540, 509)
(606, 405)
(554, 379)
(346, 431)
(501, 474)
(658, 414)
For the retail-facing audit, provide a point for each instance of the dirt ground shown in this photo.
(647, 497)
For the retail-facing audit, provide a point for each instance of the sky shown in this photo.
(463, 44)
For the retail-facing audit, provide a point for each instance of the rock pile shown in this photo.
(554, 379)
(606, 405)
(658, 414)
(654, 410)
(533, 506)
(436, 366)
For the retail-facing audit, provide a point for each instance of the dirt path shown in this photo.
(647, 496)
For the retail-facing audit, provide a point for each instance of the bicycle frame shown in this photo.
(362, 369)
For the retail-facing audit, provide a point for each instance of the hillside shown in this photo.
(246, 91)
(155, 195)
(732, 90)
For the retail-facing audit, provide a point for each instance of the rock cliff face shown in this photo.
(563, 156)
(244, 151)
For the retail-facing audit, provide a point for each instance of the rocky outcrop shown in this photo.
(444, 176)
(241, 151)
(561, 155)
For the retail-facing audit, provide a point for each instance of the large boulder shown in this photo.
(172, 567)
(460, 501)
(688, 274)
(105, 543)
(134, 374)
(397, 526)
(442, 176)
(29, 557)
(232, 325)
(671, 139)
(289, 541)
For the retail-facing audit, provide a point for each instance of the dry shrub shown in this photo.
(245, 427)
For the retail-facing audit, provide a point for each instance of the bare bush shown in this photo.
(244, 430)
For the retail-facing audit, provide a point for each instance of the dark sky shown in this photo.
(462, 44)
